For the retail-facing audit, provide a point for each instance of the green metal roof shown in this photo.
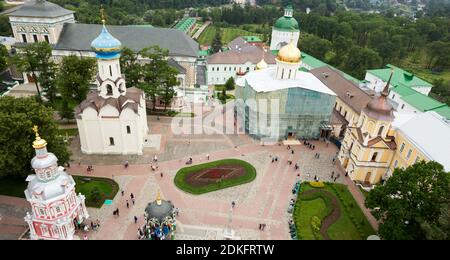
(443, 111)
(252, 38)
(312, 62)
(422, 102)
(203, 53)
(185, 23)
(403, 91)
(400, 77)
(316, 63)
(287, 24)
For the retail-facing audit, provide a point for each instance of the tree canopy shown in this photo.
(410, 204)
(74, 77)
(36, 59)
(17, 117)
(158, 77)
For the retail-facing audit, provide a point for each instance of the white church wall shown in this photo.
(281, 37)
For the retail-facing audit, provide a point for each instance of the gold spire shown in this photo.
(158, 198)
(102, 12)
(38, 143)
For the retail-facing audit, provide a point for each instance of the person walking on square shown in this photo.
(263, 227)
(122, 192)
(292, 152)
(117, 212)
(126, 164)
(132, 200)
(207, 157)
(233, 204)
(128, 205)
(162, 175)
(132, 196)
(135, 219)
(332, 175)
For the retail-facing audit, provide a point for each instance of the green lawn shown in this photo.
(207, 36)
(352, 225)
(68, 132)
(108, 188)
(85, 185)
(228, 34)
(250, 175)
(306, 210)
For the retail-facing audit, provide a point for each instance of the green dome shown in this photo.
(288, 24)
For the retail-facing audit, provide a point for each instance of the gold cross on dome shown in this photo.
(102, 12)
(35, 130)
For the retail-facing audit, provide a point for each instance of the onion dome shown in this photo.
(106, 46)
(159, 209)
(262, 65)
(38, 143)
(380, 108)
(287, 23)
(289, 53)
(44, 162)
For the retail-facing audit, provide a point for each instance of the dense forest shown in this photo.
(351, 41)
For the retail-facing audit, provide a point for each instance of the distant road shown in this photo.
(201, 29)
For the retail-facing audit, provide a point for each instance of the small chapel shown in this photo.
(55, 207)
(112, 119)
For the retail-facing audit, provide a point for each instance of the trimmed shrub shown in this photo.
(317, 184)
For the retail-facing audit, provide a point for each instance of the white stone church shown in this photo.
(113, 119)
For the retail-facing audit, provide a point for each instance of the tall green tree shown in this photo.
(315, 46)
(5, 28)
(3, 57)
(74, 77)
(360, 60)
(217, 42)
(410, 200)
(130, 67)
(158, 77)
(35, 58)
(167, 91)
(17, 117)
(229, 85)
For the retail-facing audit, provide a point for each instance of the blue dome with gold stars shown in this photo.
(106, 46)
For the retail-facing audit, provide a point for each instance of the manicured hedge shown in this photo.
(250, 175)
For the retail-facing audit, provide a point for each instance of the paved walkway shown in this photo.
(264, 200)
(12, 213)
(200, 30)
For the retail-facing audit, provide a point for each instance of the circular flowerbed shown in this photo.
(212, 176)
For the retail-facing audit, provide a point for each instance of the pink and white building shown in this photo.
(51, 192)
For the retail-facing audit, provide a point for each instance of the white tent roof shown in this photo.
(265, 81)
(429, 132)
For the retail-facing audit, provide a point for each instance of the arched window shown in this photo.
(109, 91)
(374, 157)
(380, 131)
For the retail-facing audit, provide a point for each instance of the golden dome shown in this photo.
(290, 53)
(38, 143)
(262, 65)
